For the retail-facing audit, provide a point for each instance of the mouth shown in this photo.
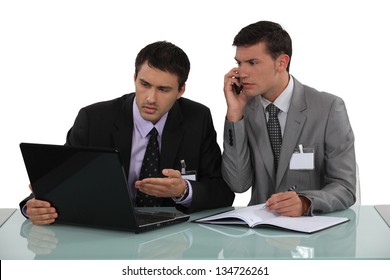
(149, 109)
(246, 85)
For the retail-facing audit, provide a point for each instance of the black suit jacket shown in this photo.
(188, 134)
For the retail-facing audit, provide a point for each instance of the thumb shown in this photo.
(171, 173)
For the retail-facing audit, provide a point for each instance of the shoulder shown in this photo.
(190, 107)
(188, 103)
(313, 96)
(110, 105)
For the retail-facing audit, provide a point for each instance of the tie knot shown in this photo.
(153, 132)
(272, 110)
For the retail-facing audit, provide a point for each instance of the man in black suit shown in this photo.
(186, 135)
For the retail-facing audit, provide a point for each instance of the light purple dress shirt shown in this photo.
(138, 147)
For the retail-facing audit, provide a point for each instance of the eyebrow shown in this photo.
(144, 81)
(248, 60)
(159, 87)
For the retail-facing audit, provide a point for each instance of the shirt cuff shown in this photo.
(186, 202)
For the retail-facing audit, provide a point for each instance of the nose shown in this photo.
(242, 72)
(151, 98)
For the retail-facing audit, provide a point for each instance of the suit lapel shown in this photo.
(293, 128)
(258, 125)
(122, 137)
(172, 137)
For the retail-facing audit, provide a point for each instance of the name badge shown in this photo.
(189, 175)
(302, 160)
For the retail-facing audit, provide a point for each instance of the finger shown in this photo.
(37, 211)
(232, 73)
(36, 203)
(42, 220)
(150, 187)
(290, 211)
(231, 78)
(171, 173)
(279, 201)
(151, 182)
(229, 84)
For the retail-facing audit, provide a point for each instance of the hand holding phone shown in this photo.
(237, 89)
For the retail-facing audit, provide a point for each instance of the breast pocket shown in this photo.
(302, 166)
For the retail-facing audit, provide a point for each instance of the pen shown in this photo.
(183, 166)
(290, 189)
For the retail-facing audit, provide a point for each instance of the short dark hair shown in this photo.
(277, 40)
(167, 57)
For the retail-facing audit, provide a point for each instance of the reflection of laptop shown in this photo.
(384, 211)
(88, 187)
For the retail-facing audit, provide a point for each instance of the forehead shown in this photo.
(257, 51)
(156, 76)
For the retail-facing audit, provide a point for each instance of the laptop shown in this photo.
(88, 187)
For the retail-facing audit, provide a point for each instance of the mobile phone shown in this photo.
(237, 88)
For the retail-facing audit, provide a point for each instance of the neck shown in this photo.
(279, 88)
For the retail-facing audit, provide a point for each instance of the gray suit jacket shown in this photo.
(316, 120)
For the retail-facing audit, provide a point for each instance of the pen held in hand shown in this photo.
(290, 189)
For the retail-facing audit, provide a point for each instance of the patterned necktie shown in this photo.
(274, 132)
(150, 169)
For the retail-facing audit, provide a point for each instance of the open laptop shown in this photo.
(88, 187)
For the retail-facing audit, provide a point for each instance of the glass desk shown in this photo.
(365, 236)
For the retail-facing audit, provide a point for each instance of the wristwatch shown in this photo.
(184, 194)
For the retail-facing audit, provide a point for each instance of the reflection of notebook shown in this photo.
(236, 231)
(5, 213)
(384, 211)
(88, 187)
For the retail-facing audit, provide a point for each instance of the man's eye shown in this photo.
(163, 89)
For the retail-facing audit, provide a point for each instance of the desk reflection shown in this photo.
(190, 241)
(72, 242)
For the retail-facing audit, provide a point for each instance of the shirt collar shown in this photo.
(284, 99)
(143, 126)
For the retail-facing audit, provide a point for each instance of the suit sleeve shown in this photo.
(210, 190)
(78, 134)
(339, 190)
(236, 159)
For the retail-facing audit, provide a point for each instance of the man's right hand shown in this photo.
(40, 212)
(235, 102)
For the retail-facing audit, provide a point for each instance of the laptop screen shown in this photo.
(87, 186)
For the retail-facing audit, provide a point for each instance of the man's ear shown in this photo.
(181, 91)
(283, 61)
(135, 77)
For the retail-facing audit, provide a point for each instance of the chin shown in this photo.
(149, 118)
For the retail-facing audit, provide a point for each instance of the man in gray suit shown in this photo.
(313, 168)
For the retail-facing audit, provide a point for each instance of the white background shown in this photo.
(58, 56)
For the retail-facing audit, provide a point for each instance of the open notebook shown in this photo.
(258, 216)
